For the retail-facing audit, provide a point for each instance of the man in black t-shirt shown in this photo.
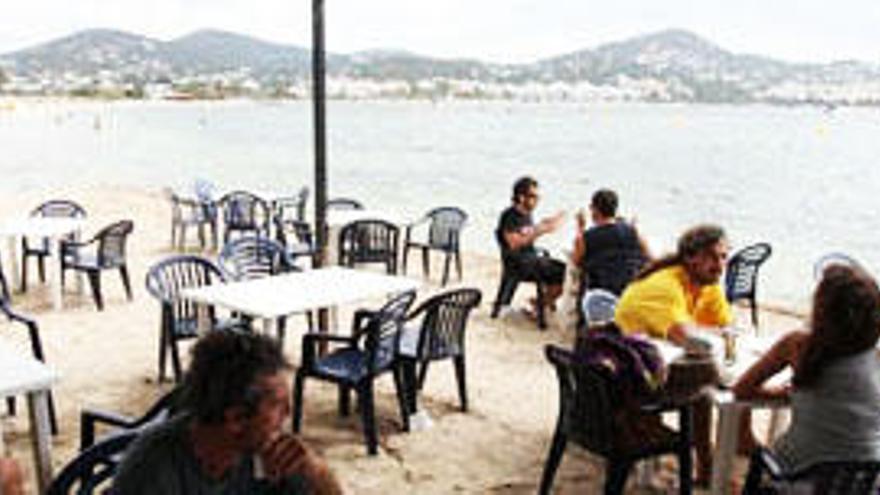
(611, 252)
(516, 234)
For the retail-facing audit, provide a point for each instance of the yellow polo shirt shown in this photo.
(655, 303)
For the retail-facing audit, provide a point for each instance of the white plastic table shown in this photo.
(281, 295)
(730, 409)
(26, 376)
(37, 228)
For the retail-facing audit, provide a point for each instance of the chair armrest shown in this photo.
(33, 329)
(417, 222)
(311, 342)
(68, 245)
(89, 418)
(667, 402)
(15, 316)
(357, 321)
(770, 463)
(409, 228)
(424, 306)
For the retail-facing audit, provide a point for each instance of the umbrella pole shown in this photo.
(319, 99)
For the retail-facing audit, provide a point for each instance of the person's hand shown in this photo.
(581, 219)
(284, 456)
(553, 223)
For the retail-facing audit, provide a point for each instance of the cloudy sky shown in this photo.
(498, 30)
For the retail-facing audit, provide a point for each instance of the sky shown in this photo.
(495, 30)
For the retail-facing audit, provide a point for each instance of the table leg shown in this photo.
(38, 409)
(778, 417)
(332, 248)
(13, 273)
(729, 414)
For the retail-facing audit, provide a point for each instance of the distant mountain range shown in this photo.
(672, 65)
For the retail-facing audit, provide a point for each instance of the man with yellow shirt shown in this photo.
(675, 295)
(679, 291)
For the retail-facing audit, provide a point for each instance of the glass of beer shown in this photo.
(730, 335)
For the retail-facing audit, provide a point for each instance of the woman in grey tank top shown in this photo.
(835, 391)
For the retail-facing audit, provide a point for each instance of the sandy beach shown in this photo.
(108, 360)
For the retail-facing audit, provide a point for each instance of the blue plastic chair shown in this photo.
(357, 361)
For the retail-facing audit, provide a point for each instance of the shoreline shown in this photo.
(10, 102)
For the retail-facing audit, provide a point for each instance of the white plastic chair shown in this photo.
(598, 306)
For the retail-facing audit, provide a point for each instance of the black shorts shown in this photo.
(541, 268)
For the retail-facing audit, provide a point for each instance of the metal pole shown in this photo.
(319, 99)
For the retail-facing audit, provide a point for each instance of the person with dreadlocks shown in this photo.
(676, 295)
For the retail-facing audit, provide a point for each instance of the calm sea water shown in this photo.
(802, 179)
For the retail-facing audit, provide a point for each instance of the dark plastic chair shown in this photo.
(104, 251)
(587, 407)
(291, 228)
(510, 280)
(444, 231)
(36, 344)
(292, 207)
(92, 471)
(344, 204)
(370, 351)
(741, 276)
(57, 208)
(180, 318)
(249, 258)
(766, 476)
(440, 335)
(244, 212)
(162, 409)
(297, 239)
(189, 212)
(369, 241)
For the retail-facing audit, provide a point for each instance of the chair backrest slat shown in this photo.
(245, 211)
(742, 271)
(167, 278)
(444, 322)
(382, 337)
(91, 471)
(252, 257)
(369, 241)
(586, 401)
(111, 243)
(445, 227)
(344, 204)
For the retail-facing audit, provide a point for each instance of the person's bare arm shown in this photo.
(752, 384)
(11, 480)
(643, 245)
(577, 254)
(678, 333)
(527, 235)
